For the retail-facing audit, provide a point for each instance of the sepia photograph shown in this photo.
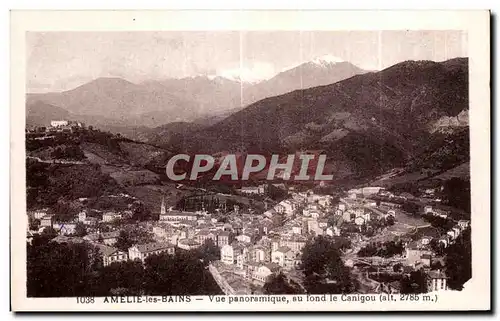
(263, 166)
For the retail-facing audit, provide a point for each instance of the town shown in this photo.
(385, 239)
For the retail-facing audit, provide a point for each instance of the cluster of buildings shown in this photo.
(69, 227)
(256, 246)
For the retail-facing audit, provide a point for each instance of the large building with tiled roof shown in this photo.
(142, 251)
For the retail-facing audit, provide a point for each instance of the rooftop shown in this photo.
(151, 247)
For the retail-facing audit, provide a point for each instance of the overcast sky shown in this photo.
(58, 61)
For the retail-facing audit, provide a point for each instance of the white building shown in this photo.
(110, 217)
(285, 207)
(263, 272)
(229, 253)
(65, 228)
(437, 281)
(142, 251)
(59, 123)
(283, 256)
(177, 216)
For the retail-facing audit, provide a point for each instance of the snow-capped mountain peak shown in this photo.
(327, 60)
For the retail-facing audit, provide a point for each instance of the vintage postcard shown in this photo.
(250, 161)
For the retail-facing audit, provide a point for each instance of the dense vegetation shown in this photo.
(49, 183)
(324, 269)
(458, 261)
(279, 284)
(386, 249)
(59, 270)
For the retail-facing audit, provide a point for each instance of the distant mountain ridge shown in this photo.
(320, 71)
(157, 102)
(367, 123)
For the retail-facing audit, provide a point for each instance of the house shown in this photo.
(348, 216)
(426, 260)
(82, 216)
(58, 123)
(205, 235)
(250, 268)
(111, 254)
(188, 244)
(267, 225)
(428, 209)
(426, 240)
(441, 213)
(285, 207)
(142, 251)
(110, 217)
(246, 238)
(65, 239)
(297, 229)
(224, 238)
(258, 254)
(295, 242)
(464, 224)
(229, 253)
(452, 235)
(241, 259)
(47, 221)
(444, 241)
(257, 190)
(342, 207)
(65, 228)
(108, 238)
(38, 214)
(283, 256)
(270, 213)
(371, 190)
(264, 271)
(275, 243)
(92, 221)
(414, 253)
(437, 281)
(333, 231)
(323, 222)
(359, 220)
(314, 214)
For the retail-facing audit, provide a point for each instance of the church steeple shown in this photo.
(162, 209)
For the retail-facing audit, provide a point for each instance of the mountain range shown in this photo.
(367, 124)
(118, 102)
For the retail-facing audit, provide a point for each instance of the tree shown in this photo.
(398, 267)
(415, 283)
(80, 229)
(411, 208)
(278, 284)
(457, 193)
(458, 261)
(49, 232)
(60, 270)
(324, 269)
(209, 251)
(390, 220)
(34, 224)
(179, 274)
(140, 212)
(123, 242)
